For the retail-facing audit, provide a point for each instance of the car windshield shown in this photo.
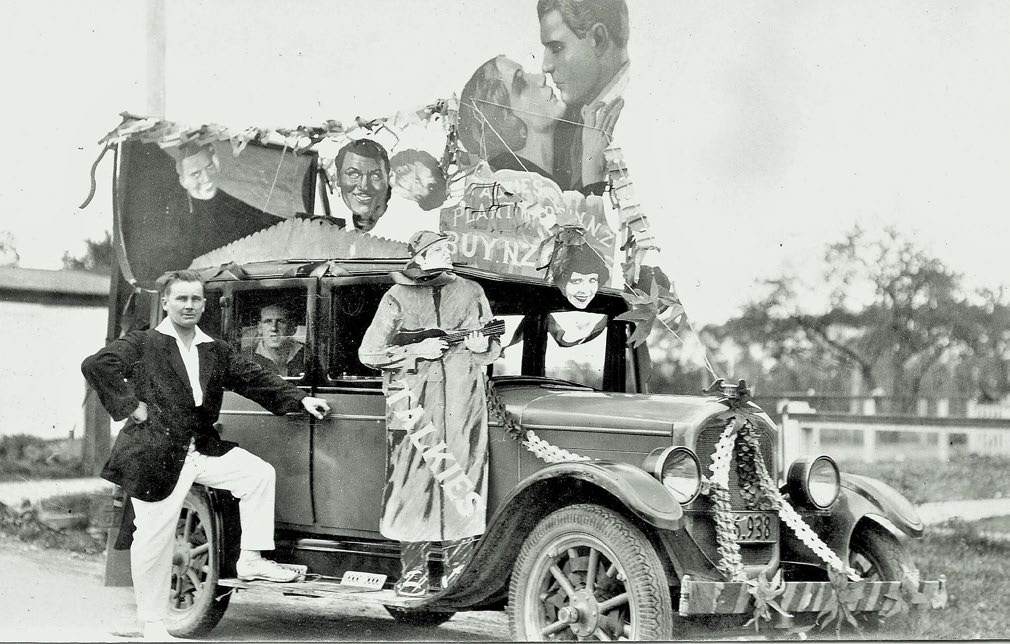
(544, 336)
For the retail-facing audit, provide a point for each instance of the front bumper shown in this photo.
(717, 597)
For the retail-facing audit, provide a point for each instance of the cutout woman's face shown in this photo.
(581, 288)
(530, 98)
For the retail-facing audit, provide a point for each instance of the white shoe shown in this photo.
(264, 569)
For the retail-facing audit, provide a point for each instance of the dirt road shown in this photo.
(52, 595)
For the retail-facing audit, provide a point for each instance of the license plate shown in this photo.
(756, 527)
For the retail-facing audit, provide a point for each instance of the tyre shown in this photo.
(586, 572)
(876, 556)
(419, 617)
(197, 603)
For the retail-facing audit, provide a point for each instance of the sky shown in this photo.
(758, 131)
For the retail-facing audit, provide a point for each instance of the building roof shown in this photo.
(33, 280)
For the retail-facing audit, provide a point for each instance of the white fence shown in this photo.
(907, 436)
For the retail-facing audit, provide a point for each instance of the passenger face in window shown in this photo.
(275, 327)
(198, 170)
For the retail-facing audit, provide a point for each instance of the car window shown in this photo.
(510, 362)
(354, 307)
(269, 328)
(576, 347)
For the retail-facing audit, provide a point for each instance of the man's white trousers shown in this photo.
(247, 476)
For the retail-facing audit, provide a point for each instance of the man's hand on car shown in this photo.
(316, 406)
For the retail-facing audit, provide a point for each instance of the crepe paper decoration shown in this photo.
(765, 593)
(634, 224)
(646, 309)
(527, 438)
(303, 239)
(739, 442)
(838, 609)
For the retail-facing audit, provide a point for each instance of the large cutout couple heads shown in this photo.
(362, 168)
(507, 116)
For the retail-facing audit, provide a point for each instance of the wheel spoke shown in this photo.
(613, 602)
(191, 574)
(594, 562)
(625, 632)
(188, 526)
(602, 635)
(199, 550)
(562, 580)
(556, 627)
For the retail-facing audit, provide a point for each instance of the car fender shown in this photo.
(884, 500)
(225, 515)
(639, 491)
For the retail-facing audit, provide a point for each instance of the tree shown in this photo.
(97, 258)
(891, 312)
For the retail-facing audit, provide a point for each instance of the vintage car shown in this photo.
(620, 544)
(613, 512)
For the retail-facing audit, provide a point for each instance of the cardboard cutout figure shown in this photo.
(429, 339)
(579, 275)
(362, 168)
(586, 56)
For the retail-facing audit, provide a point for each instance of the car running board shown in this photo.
(353, 586)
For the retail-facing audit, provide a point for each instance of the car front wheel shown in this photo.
(876, 556)
(197, 603)
(586, 572)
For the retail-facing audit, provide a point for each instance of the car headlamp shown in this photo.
(814, 481)
(677, 468)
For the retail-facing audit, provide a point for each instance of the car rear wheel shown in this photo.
(586, 572)
(419, 617)
(197, 602)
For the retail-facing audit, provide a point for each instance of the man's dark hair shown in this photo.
(580, 15)
(370, 150)
(165, 281)
(191, 148)
(583, 259)
(484, 109)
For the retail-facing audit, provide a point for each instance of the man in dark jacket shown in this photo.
(170, 381)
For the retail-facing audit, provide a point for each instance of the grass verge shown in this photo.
(921, 481)
(977, 571)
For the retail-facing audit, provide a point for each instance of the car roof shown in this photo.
(356, 267)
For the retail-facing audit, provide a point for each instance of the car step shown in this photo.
(355, 586)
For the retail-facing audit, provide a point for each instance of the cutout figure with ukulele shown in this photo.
(433, 337)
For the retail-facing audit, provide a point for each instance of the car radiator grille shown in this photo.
(754, 553)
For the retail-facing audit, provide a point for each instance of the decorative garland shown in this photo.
(526, 437)
(760, 493)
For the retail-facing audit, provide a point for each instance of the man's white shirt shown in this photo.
(190, 356)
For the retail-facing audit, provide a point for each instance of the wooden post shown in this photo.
(869, 445)
(943, 445)
(155, 63)
(943, 407)
(97, 434)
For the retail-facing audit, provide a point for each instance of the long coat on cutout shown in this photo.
(441, 403)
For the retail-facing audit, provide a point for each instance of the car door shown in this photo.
(349, 445)
(282, 441)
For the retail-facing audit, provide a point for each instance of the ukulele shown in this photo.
(493, 329)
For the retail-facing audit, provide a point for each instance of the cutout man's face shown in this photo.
(435, 257)
(364, 184)
(581, 288)
(571, 61)
(199, 175)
